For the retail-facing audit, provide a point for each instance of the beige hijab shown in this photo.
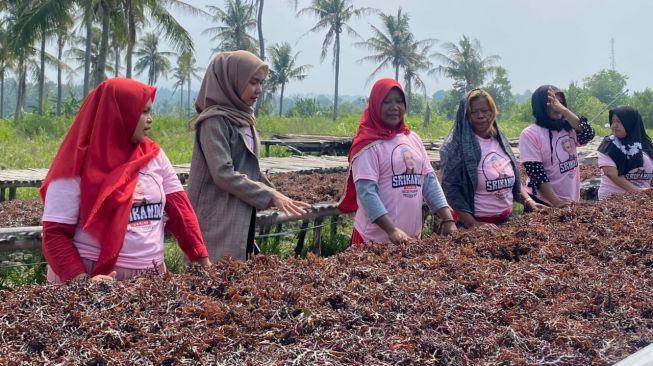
(225, 80)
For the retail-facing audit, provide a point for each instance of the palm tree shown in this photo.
(283, 69)
(155, 61)
(465, 64)
(390, 45)
(6, 64)
(333, 16)
(63, 37)
(185, 71)
(20, 45)
(418, 60)
(395, 45)
(141, 12)
(78, 52)
(233, 27)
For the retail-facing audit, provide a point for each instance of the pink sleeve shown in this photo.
(62, 201)
(366, 165)
(605, 160)
(171, 183)
(529, 146)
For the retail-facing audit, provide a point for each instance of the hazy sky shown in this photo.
(539, 42)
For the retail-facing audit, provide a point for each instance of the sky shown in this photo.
(539, 42)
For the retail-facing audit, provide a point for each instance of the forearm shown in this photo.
(255, 194)
(585, 132)
(386, 224)
(182, 223)
(466, 218)
(444, 214)
(546, 189)
(623, 183)
(60, 252)
(572, 118)
(217, 151)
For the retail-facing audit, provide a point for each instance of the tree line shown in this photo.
(102, 38)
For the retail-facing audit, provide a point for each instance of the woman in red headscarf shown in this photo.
(107, 189)
(390, 174)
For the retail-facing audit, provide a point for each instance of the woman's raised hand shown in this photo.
(554, 102)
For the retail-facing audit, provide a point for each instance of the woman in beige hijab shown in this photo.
(226, 185)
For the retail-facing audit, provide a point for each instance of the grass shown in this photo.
(19, 268)
(33, 142)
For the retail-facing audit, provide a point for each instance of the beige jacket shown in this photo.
(225, 185)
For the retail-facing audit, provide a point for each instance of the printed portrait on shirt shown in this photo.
(406, 170)
(147, 204)
(565, 150)
(498, 174)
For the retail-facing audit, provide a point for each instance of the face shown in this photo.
(393, 108)
(566, 145)
(254, 88)
(552, 113)
(496, 164)
(480, 116)
(617, 127)
(144, 124)
(408, 160)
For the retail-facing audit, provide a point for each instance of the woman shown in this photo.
(625, 157)
(226, 185)
(480, 175)
(547, 148)
(390, 174)
(107, 189)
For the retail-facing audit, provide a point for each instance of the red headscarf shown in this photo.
(98, 149)
(371, 130)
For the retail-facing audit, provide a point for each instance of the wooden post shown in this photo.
(2, 194)
(264, 231)
(277, 238)
(267, 150)
(317, 235)
(12, 193)
(300, 238)
(335, 220)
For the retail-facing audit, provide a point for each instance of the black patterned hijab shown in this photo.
(539, 103)
(627, 152)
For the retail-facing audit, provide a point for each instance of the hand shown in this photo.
(110, 277)
(531, 206)
(204, 262)
(289, 206)
(561, 203)
(554, 103)
(485, 225)
(398, 236)
(448, 228)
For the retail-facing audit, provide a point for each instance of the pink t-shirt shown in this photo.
(144, 237)
(639, 177)
(495, 179)
(398, 166)
(563, 172)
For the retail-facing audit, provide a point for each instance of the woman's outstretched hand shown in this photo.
(288, 205)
